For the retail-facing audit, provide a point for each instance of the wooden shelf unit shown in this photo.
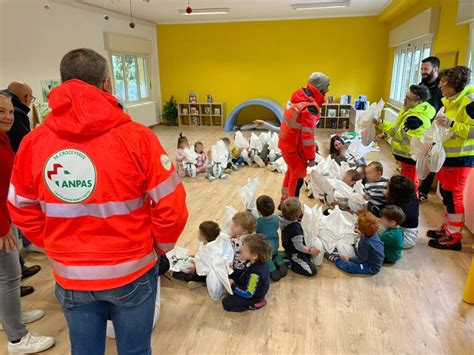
(201, 114)
(342, 116)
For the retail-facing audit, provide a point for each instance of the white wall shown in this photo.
(33, 40)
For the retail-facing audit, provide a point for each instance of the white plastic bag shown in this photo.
(437, 155)
(366, 124)
(339, 225)
(229, 213)
(220, 153)
(255, 144)
(179, 259)
(322, 189)
(345, 248)
(265, 137)
(310, 226)
(248, 195)
(281, 165)
(190, 156)
(353, 195)
(213, 260)
(273, 143)
(358, 150)
(191, 169)
(419, 151)
(240, 141)
(110, 332)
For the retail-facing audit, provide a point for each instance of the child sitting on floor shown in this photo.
(202, 157)
(391, 217)
(251, 284)
(370, 254)
(268, 226)
(208, 232)
(293, 242)
(243, 223)
(230, 160)
(213, 172)
(375, 188)
(182, 145)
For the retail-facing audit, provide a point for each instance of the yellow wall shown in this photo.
(239, 61)
(450, 37)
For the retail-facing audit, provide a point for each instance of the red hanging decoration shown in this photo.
(189, 9)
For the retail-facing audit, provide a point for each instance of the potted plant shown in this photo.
(170, 112)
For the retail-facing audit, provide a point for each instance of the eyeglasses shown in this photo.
(416, 98)
(33, 99)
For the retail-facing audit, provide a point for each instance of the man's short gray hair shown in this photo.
(86, 65)
(319, 80)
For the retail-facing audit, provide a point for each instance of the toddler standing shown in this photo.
(181, 146)
(268, 226)
(251, 284)
(293, 239)
(243, 223)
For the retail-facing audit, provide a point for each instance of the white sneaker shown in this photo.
(259, 161)
(29, 317)
(31, 344)
(224, 176)
(211, 178)
(34, 249)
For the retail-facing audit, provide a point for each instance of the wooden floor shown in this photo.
(413, 307)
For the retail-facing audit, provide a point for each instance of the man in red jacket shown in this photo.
(99, 193)
(296, 141)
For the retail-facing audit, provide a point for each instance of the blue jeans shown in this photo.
(354, 268)
(130, 307)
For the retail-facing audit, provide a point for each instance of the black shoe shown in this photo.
(423, 198)
(26, 290)
(331, 257)
(446, 243)
(283, 270)
(30, 271)
(275, 275)
(436, 233)
(182, 276)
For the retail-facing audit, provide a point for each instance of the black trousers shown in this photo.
(425, 186)
(233, 303)
(189, 277)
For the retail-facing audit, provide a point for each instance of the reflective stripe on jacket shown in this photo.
(299, 122)
(97, 191)
(401, 135)
(460, 110)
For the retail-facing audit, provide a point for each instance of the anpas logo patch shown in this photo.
(70, 175)
(166, 162)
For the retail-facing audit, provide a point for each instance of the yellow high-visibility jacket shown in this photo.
(401, 133)
(460, 111)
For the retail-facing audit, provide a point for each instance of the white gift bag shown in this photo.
(358, 150)
(190, 156)
(110, 332)
(310, 226)
(265, 137)
(345, 248)
(437, 154)
(281, 165)
(419, 150)
(255, 144)
(229, 213)
(213, 260)
(273, 143)
(322, 189)
(179, 259)
(220, 153)
(339, 225)
(240, 141)
(366, 124)
(248, 194)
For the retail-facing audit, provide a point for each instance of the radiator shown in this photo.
(144, 113)
(390, 114)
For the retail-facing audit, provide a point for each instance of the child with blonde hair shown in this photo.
(243, 224)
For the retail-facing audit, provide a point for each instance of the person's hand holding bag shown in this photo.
(8, 242)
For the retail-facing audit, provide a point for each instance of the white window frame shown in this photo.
(125, 79)
(400, 82)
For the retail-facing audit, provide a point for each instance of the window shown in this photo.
(406, 66)
(130, 77)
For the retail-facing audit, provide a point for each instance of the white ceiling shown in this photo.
(166, 11)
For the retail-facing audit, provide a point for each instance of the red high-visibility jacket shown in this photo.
(300, 118)
(95, 190)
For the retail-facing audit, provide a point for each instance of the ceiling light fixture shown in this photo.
(209, 11)
(322, 5)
